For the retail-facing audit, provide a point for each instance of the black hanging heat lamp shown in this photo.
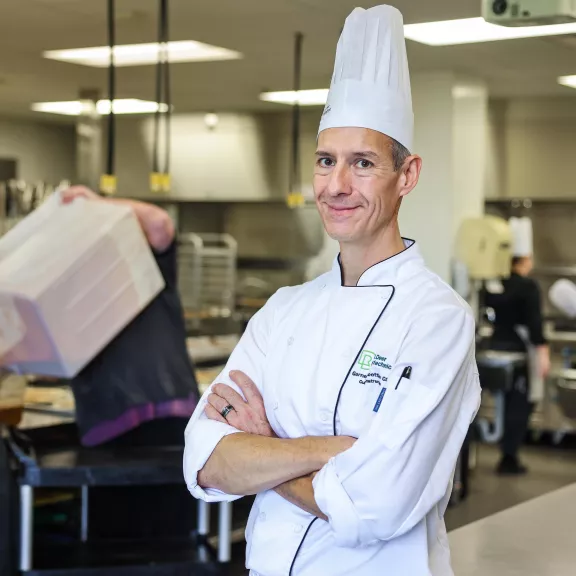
(295, 197)
(108, 181)
(160, 175)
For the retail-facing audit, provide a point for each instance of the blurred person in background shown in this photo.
(518, 328)
(139, 392)
(141, 389)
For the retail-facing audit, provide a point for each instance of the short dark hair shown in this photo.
(516, 260)
(399, 154)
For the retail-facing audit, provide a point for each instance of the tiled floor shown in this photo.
(550, 469)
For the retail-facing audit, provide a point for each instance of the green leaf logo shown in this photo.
(366, 359)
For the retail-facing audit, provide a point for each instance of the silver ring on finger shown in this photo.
(226, 411)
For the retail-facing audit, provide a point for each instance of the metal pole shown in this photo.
(110, 167)
(89, 141)
(294, 183)
(203, 518)
(224, 531)
(26, 527)
(84, 517)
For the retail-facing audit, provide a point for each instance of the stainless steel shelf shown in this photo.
(540, 201)
(559, 271)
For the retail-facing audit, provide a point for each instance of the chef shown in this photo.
(518, 328)
(346, 402)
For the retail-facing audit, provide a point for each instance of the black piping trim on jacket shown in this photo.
(340, 394)
(300, 546)
(413, 243)
(360, 351)
(344, 383)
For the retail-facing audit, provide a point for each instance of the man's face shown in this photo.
(357, 191)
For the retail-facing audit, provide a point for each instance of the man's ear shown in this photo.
(410, 174)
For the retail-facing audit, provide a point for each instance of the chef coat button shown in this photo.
(262, 516)
(297, 529)
(290, 341)
(275, 406)
(325, 416)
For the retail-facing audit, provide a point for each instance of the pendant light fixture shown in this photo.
(160, 176)
(108, 179)
(295, 197)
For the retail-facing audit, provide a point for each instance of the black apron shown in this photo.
(146, 363)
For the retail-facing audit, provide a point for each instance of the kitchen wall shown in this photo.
(533, 147)
(532, 153)
(246, 156)
(44, 151)
(239, 170)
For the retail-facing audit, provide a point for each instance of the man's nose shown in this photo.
(339, 181)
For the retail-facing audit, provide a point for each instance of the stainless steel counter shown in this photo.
(533, 539)
(560, 337)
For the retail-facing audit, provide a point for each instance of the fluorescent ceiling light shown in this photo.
(141, 54)
(302, 97)
(121, 106)
(569, 81)
(470, 30)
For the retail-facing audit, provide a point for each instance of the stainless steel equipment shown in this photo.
(207, 276)
(496, 370)
(565, 381)
(18, 198)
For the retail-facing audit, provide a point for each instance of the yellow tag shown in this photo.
(295, 199)
(108, 184)
(165, 182)
(155, 182)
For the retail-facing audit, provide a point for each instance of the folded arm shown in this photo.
(245, 464)
(226, 458)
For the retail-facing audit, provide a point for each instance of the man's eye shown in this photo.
(364, 164)
(325, 162)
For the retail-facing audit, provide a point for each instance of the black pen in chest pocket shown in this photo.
(406, 373)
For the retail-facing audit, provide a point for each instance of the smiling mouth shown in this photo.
(341, 209)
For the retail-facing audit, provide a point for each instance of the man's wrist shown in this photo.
(318, 449)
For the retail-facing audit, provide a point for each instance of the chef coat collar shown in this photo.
(386, 272)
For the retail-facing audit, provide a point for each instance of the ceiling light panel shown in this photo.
(569, 81)
(472, 30)
(302, 97)
(121, 106)
(143, 54)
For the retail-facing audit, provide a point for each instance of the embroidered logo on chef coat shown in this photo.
(372, 365)
(366, 359)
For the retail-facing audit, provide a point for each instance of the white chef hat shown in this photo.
(521, 236)
(371, 83)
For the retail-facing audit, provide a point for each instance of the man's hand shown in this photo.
(248, 415)
(544, 364)
(70, 194)
(154, 221)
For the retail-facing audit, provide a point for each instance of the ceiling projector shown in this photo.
(529, 12)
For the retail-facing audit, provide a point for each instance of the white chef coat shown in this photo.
(330, 359)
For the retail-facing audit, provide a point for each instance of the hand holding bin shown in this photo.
(71, 278)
